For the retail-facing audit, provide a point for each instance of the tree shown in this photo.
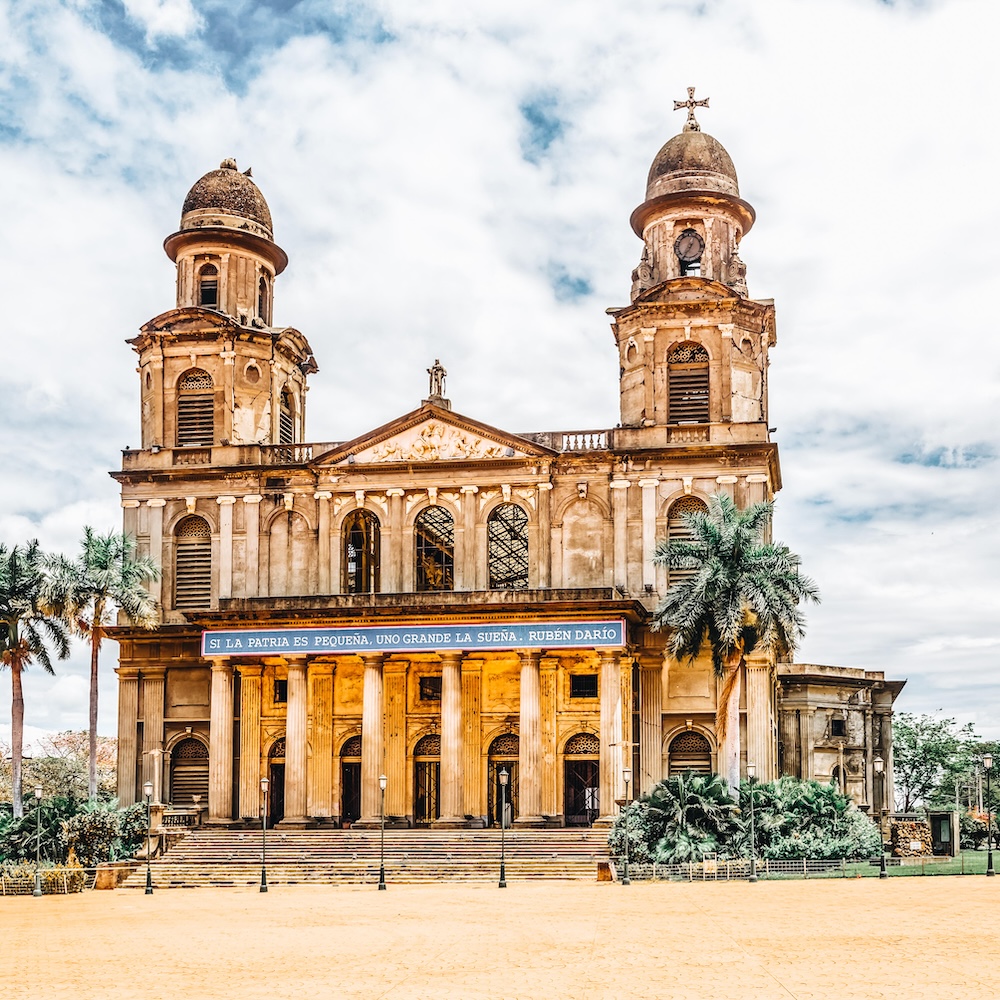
(27, 627)
(743, 595)
(86, 592)
(928, 755)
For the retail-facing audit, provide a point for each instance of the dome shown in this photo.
(226, 197)
(692, 161)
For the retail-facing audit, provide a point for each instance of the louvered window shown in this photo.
(208, 286)
(361, 553)
(286, 425)
(435, 534)
(263, 301)
(688, 374)
(508, 547)
(189, 773)
(192, 565)
(195, 409)
(690, 751)
(679, 531)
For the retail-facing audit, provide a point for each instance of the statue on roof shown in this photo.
(438, 375)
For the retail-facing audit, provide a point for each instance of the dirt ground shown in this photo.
(830, 939)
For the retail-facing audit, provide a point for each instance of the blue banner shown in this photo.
(394, 638)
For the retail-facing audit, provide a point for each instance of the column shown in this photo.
(472, 694)
(320, 801)
(220, 744)
(155, 587)
(612, 783)
(225, 546)
(130, 517)
(251, 518)
(323, 543)
(651, 722)
(297, 744)
(760, 725)
(530, 742)
(152, 725)
(394, 681)
(649, 488)
(619, 520)
(372, 732)
(250, 688)
(128, 733)
(452, 786)
(544, 535)
(392, 546)
(808, 743)
(549, 673)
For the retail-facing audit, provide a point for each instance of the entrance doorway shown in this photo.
(276, 777)
(189, 773)
(503, 756)
(582, 784)
(427, 780)
(350, 781)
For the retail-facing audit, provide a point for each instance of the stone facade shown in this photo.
(439, 521)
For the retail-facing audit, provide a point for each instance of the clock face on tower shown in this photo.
(689, 246)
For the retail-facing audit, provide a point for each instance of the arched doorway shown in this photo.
(189, 773)
(427, 780)
(582, 787)
(503, 755)
(689, 751)
(276, 775)
(350, 781)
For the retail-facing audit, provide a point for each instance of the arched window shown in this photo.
(507, 547)
(679, 531)
(688, 376)
(189, 773)
(435, 537)
(192, 564)
(426, 780)
(361, 553)
(690, 751)
(286, 419)
(581, 779)
(263, 300)
(350, 780)
(195, 409)
(208, 286)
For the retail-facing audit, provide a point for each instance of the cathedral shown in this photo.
(389, 625)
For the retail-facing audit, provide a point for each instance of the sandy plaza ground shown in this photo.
(831, 939)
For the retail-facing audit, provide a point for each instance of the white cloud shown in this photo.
(164, 17)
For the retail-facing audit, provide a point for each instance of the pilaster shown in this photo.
(394, 673)
(619, 518)
(297, 745)
(549, 680)
(472, 686)
(612, 783)
(761, 747)
(220, 744)
(251, 516)
(250, 774)
(152, 726)
(128, 734)
(225, 546)
(651, 721)
(320, 801)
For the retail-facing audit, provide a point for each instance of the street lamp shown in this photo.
(879, 764)
(987, 767)
(751, 771)
(147, 791)
(503, 823)
(264, 785)
(37, 891)
(382, 780)
(627, 775)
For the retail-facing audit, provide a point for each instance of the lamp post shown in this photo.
(879, 764)
(382, 780)
(147, 791)
(627, 775)
(503, 823)
(987, 767)
(37, 891)
(751, 771)
(264, 785)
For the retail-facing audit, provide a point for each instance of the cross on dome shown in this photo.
(691, 125)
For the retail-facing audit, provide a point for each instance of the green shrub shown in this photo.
(103, 833)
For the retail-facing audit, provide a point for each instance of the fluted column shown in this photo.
(297, 744)
(128, 733)
(651, 726)
(372, 735)
(452, 787)
(529, 763)
(612, 784)
(394, 680)
(472, 694)
(761, 742)
(250, 682)
(549, 672)
(320, 803)
(220, 744)
(152, 727)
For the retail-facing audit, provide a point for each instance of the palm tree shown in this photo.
(740, 594)
(26, 629)
(86, 592)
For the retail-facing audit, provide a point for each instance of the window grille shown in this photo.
(352, 747)
(277, 751)
(195, 409)
(192, 565)
(678, 531)
(508, 547)
(688, 376)
(505, 745)
(583, 745)
(286, 423)
(583, 685)
(435, 539)
(690, 751)
(428, 746)
(361, 553)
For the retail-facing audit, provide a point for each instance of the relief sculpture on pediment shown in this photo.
(433, 442)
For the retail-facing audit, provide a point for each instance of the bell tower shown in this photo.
(693, 345)
(214, 370)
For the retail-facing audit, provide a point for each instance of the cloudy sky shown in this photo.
(454, 180)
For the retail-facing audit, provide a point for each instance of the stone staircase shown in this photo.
(212, 857)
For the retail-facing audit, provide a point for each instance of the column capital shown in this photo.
(529, 655)
(250, 669)
(322, 495)
(221, 663)
(156, 503)
(225, 501)
(470, 489)
(127, 673)
(451, 656)
(322, 668)
(620, 484)
(649, 483)
(253, 498)
(757, 477)
(373, 659)
(395, 491)
(726, 479)
(153, 673)
(129, 504)
(544, 487)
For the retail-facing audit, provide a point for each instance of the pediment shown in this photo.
(687, 289)
(433, 434)
(190, 319)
